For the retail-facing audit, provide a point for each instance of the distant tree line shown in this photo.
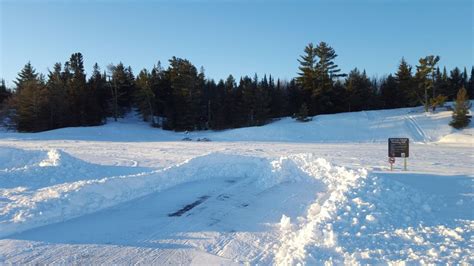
(181, 97)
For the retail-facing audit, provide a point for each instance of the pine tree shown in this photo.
(425, 75)
(30, 101)
(58, 108)
(441, 83)
(307, 75)
(390, 93)
(296, 97)
(405, 85)
(461, 109)
(455, 82)
(122, 87)
(144, 97)
(326, 73)
(99, 94)
(4, 93)
(262, 102)
(326, 68)
(360, 91)
(231, 104)
(27, 75)
(186, 93)
(161, 88)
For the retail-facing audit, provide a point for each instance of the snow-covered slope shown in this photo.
(286, 193)
(365, 126)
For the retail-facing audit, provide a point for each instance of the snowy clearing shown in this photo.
(284, 193)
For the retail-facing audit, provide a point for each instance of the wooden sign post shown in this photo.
(398, 147)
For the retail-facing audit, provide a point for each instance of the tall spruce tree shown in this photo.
(27, 75)
(30, 101)
(405, 85)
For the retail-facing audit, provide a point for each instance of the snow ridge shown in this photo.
(314, 229)
(28, 208)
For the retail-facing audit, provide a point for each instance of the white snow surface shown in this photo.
(287, 193)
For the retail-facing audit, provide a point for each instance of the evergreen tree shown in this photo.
(83, 99)
(30, 101)
(390, 93)
(360, 91)
(461, 109)
(425, 75)
(405, 85)
(145, 97)
(326, 73)
(278, 99)
(99, 95)
(161, 88)
(122, 87)
(262, 102)
(441, 82)
(455, 82)
(186, 95)
(231, 107)
(4, 93)
(25, 77)
(58, 108)
(296, 97)
(307, 75)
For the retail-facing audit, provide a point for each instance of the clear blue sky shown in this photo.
(234, 37)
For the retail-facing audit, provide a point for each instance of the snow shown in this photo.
(285, 193)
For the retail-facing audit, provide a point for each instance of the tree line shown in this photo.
(181, 97)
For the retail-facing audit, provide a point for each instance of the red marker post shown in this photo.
(391, 160)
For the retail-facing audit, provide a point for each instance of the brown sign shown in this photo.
(398, 147)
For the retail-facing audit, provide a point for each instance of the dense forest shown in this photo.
(182, 98)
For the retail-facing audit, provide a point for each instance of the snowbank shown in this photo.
(37, 169)
(22, 208)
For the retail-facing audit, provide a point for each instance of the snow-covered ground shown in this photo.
(284, 193)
